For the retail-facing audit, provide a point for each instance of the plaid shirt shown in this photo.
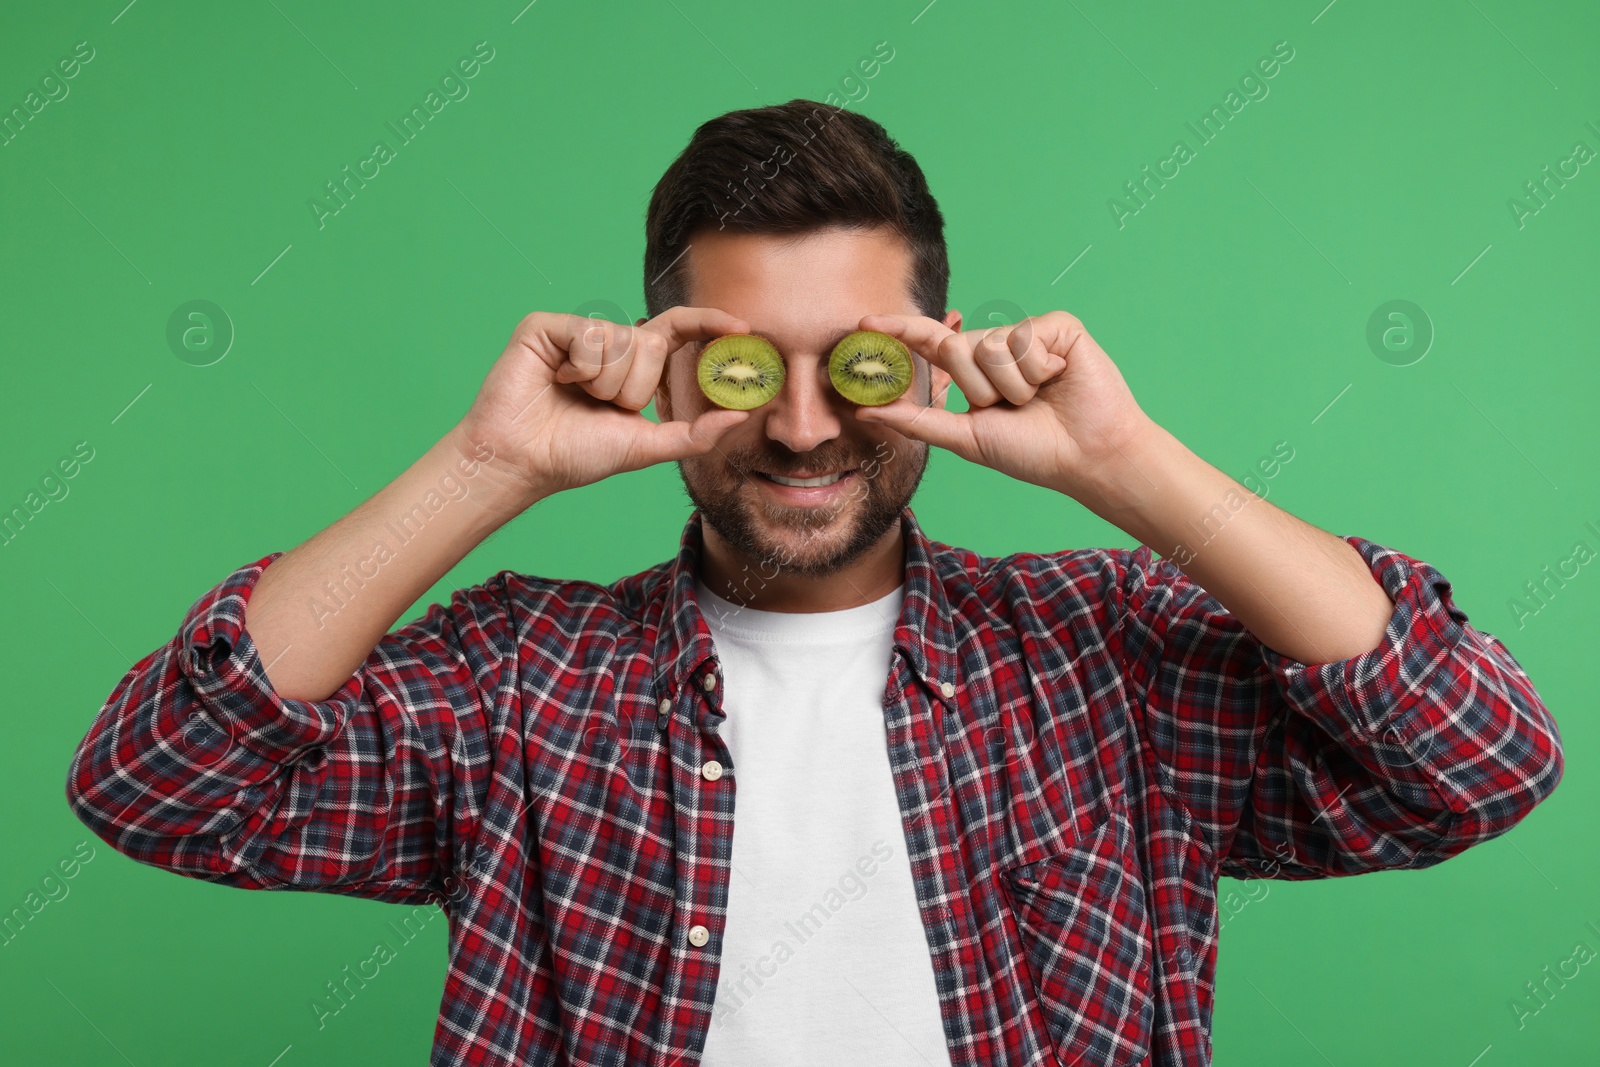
(1081, 742)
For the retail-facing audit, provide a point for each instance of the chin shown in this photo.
(806, 540)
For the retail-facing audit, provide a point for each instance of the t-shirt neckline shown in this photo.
(727, 616)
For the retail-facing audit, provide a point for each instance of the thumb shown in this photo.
(675, 439)
(950, 430)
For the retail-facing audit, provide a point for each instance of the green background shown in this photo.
(1380, 166)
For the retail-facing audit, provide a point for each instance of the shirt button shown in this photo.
(665, 705)
(709, 681)
(947, 689)
(711, 770)
(699, 935)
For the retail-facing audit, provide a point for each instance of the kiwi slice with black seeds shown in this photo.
(740, 371)
(870, 368)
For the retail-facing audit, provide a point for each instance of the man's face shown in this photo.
(804, 293)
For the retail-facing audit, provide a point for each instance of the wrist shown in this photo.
(1136, 480)
(501, 487)
(1116, 478)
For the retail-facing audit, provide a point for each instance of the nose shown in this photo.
(805, 413)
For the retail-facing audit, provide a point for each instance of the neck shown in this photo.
(766, 586)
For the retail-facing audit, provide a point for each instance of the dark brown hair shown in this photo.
(786, 169)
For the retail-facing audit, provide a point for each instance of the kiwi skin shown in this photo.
(886, 359)
(740, 371)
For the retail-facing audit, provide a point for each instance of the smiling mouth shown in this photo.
(805, 483)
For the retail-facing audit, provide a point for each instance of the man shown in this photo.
(983, 803)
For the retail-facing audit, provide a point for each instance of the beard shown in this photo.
(811, 542)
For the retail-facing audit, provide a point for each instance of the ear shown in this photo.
(663, 398)
(940, 376)
(663, 394)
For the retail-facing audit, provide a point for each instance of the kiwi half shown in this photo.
(740, 371)
(870, 368)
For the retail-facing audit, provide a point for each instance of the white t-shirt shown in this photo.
(824, 959)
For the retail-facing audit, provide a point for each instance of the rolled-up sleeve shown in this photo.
(194, 764)
(1399, 757)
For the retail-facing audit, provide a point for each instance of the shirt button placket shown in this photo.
(711, 771)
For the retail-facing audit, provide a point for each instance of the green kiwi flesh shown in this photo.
(740, 371)
(870, 368)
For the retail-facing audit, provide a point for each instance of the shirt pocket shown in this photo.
(1087, 942)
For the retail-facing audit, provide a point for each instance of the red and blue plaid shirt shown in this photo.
(1081, 742)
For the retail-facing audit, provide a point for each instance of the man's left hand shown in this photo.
(1046, 404)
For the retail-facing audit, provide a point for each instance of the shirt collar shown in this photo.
(924, 633)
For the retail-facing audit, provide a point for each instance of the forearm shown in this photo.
(1299, 590)
(319, 610)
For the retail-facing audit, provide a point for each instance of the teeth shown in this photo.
(808, 483)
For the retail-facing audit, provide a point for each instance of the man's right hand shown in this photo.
(561, 406)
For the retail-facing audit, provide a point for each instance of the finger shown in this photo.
(1036, 362)
(1060, 334)
(662, 442)
(950, 430)
(941, 346)
(681, 325)
(1019, 348)
(546, 334)
(621, 348)
(644, 370)
(583, 339)
(992, 353)
(600, 357)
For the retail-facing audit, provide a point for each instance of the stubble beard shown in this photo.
(811, 542)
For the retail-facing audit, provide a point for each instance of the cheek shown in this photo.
(885, 454)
